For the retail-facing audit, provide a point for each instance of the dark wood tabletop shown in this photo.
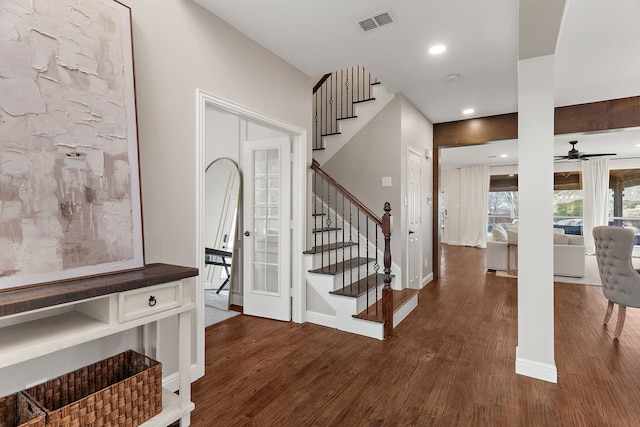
(19, 300)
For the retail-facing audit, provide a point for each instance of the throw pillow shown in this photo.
(499, 233)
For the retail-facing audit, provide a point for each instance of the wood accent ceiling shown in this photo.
(475, 131)
(590, 117)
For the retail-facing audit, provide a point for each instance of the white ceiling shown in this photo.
(597, 57)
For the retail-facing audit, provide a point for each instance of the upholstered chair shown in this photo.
(620, 282)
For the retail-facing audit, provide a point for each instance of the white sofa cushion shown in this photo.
(576, 240)
(560, 239)
(499, 233)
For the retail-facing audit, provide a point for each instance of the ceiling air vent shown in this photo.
(375, 21)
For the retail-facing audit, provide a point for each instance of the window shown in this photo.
(503, 207)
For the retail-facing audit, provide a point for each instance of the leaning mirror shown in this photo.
(222, 193)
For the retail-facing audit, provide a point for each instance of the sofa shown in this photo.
(568, 251)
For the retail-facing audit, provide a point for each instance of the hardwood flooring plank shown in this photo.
(451, 363)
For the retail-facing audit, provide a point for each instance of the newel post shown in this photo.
(387, 293)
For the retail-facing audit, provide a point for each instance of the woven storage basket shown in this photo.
(123, 390)
(18, 410)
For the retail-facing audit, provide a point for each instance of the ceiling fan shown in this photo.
(574, 154)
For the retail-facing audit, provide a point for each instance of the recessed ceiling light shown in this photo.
(439, 48)
(504, 155)
(510, 174)
(637, 145)
(468, 111)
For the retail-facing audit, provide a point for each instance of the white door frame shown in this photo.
(298, 200)
(420, 246)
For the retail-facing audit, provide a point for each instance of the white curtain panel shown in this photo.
(474, 205)
(595, 184)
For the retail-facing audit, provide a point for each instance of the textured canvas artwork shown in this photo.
(69, 185)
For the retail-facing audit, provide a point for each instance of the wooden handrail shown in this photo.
(320, 82)
(353, 199)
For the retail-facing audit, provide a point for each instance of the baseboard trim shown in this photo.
(172, 382)
(531, 368)
(237, 300)
(322, 319)
(427, 280)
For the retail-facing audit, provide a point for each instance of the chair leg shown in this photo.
(622, 311)
(609, 311)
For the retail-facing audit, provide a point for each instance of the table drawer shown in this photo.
(147, 301)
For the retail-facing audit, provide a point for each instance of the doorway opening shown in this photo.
(223, 131)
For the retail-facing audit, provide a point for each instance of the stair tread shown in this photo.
(318, 214)
(323, 229)
(360, 287)
(329, 247)
(400, 298)
(339, 267)
(364, 100)
(330, 134)
(347, 117)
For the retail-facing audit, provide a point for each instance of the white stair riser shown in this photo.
(344, 308)
(351, 275)
(339, 255)
(326, 237)
(362, 299)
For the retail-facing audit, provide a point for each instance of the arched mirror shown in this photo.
(222, 195)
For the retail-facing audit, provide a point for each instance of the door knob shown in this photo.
(411, 232)
(246, 233)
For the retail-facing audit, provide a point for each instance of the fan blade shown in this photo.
(560, 157)
(597, 155)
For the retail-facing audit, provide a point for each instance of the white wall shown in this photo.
(180, 47)
(379, 150)
(417, 134)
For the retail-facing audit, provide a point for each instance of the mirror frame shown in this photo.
(234, 258)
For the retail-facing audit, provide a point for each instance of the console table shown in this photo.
(35, 321)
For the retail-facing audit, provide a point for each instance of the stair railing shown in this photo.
(333, 98)
(353, 233)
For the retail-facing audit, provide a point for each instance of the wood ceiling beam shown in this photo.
(591, 117)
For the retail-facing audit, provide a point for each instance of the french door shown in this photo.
(267, 234)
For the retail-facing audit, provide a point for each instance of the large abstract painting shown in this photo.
(69, 180)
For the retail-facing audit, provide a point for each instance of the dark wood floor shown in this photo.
(450, 363)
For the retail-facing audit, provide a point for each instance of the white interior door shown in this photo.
(267, 240)
(413, 219)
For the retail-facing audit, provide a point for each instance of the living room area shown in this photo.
(598, 183)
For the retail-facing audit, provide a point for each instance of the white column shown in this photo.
(535, 351)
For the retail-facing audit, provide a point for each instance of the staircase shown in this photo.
(350, 242)
(343, 103)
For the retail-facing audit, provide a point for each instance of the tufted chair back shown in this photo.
(620, 282)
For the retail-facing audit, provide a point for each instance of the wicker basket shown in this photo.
(123, 390)
(18, 410)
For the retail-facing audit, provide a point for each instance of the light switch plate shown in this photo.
(386, 181)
